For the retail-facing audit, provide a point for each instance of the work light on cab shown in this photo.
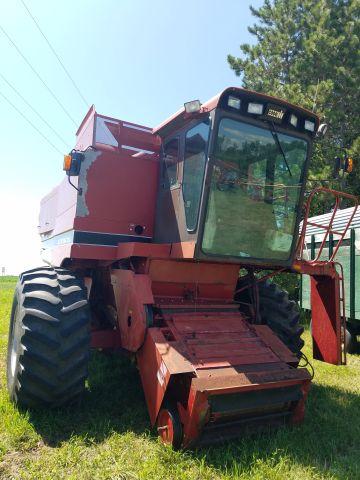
(193, 106)
(293, 120)
(309, 125)
(234, 102)
(256, 108)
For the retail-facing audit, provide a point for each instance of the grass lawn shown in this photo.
(109, 436)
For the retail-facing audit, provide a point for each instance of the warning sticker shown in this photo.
(161, 373)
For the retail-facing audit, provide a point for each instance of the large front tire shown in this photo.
(281, 315)
(49, 338)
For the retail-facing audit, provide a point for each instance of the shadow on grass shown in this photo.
(114, 402)
(328, 441)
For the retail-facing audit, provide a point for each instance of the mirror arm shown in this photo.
(79, 190)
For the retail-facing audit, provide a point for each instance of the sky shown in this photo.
(135, 60)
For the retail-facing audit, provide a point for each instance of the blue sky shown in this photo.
(135, 60)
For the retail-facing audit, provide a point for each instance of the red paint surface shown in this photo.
(193, 280)
(127, 250)
(299, 409)
(326, 320)
(326, 309)
(121, 193)
(212, 353)
(132, 293)
(149, 360)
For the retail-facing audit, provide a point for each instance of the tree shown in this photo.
(308, 52)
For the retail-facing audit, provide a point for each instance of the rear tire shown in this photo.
(281, 315)
(49, 338)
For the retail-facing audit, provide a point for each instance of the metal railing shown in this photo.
(328, 229)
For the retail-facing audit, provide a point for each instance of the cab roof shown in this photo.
(178, 118)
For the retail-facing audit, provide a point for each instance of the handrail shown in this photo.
(328, 228)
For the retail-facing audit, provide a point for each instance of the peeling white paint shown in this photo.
(89, 158)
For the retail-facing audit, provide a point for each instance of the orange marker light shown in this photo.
(67, 163)
(296, 267)
(350, 165)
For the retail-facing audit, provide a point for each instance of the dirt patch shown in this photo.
(12, 462)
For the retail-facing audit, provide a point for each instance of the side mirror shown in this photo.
(72, 163)
(323, 128)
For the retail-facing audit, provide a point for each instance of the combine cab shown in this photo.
(162, 242)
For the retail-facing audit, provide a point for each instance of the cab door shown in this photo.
(195, 158)
(169, 193)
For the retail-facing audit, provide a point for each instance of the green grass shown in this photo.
(109, 436)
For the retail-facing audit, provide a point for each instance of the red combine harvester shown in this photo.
(156, 241)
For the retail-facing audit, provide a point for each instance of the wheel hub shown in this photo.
(169, 427)
(165, 427)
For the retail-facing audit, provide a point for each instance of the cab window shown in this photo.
(194, 170)
(171, 161)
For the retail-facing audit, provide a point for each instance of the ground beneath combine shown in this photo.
(209, 375)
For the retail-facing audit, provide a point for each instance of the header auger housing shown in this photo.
(155, 243)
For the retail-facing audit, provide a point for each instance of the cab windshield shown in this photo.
(254, 193)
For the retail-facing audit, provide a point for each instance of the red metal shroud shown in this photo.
(216, 367)
(327, 309)
(326, 327)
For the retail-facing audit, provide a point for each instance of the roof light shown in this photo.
(234, 102)
(293, 120)
(256, 108)
(309, 125)
(193, 106)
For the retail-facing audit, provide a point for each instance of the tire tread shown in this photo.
(55, 339)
